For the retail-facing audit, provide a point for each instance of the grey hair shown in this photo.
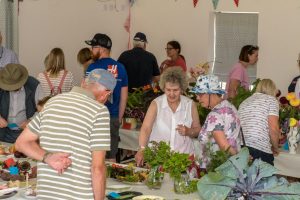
(136, 43)
(174, 75)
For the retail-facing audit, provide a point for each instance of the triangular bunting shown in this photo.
(195, 3)
(215, 3)
(236, 3)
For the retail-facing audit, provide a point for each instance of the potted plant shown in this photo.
(177, 166)
(137, 105)
(155, 155)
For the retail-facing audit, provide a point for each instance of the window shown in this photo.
(9, 23)
(231, 32)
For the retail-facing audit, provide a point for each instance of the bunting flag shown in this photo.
(236, 3)
(195, 3)
(215, 3)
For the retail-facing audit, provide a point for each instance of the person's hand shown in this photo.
(139, 158)
(275, 151)
(24, 124)
(58, 161)
(3, 123)
(182, 130)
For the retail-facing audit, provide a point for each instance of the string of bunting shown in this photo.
(215, 3)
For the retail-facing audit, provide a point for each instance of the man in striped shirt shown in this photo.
(74, 135)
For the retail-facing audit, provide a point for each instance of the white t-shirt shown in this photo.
(165, 124)
(254, 112)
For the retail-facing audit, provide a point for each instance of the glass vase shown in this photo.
(182, 184)
(155, 178)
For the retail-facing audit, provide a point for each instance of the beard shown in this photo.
(96, 56)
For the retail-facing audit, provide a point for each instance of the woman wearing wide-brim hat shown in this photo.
(19, 94)
(222, 125)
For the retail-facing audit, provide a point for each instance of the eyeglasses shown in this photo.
(168, 49)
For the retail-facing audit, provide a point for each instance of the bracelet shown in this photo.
(45, 156)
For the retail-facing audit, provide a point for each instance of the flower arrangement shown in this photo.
(139, 101)
(289, 112)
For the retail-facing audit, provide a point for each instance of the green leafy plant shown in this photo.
(157, 153)
(235, 179)
(217, 158)
(177, 164)
(243, 94)
(139, 101)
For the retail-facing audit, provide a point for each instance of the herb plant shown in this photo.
(177, 164)
(156, 154)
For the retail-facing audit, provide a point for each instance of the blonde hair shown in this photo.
(55, 62)
(266, 86)
(174, 75)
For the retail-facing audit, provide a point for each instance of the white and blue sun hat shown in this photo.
(207, 84)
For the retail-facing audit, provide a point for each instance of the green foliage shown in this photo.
(235, 179)
(177, 164)
(156, 153)
(203, 112)
(217, 159)
(243, 94)
(139, 101)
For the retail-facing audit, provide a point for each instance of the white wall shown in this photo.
(45, 24)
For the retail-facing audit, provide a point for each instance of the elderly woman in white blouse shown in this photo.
(171, 117)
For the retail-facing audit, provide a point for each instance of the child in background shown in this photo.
(41, 103)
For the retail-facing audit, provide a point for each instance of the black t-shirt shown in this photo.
(140, 65)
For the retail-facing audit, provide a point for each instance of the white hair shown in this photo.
(137, 43)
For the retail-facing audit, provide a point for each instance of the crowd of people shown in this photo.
(72, 130)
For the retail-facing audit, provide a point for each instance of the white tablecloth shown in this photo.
(288, 164)
(166, 190)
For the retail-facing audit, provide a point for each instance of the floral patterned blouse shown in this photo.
(223, 117)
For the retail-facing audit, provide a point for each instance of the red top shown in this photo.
(180, 62)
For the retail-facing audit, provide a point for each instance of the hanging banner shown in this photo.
(195, 3)
(236, 3)
(215, 3)
(127, 26)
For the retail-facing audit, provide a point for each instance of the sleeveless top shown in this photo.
(165, 124)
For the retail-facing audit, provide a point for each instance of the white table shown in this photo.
(288, 164)
(166, 190)
(129, 139)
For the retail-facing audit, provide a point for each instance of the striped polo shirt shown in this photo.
(74, 123)
(254, 112)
